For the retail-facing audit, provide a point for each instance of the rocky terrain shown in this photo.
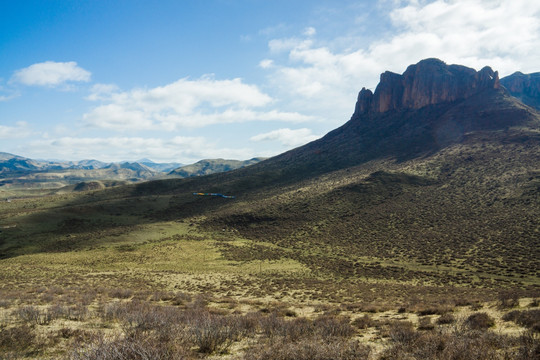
(525, 87)
(429, 82)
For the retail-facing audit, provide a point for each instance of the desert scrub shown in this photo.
(364, 322)
(124, 348)
(16, 340)
(214, 334)
(310, 349)
(527, 318)
(462, 342)
(424, 323)
(479, 321)
(33, 315)
(446, 319)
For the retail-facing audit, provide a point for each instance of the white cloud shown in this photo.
(500, 33)
(266, 63)
(50, 73)
(181, 149)
(20, 130)
(281, 45)
(102, 91)
(287, 137)
(310, 31)
(323, 76)
(183, 103)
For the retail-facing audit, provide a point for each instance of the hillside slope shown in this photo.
(422, 183)
(454, 183)
(212, 166)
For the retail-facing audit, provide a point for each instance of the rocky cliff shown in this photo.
(428, 82)
(525, 87)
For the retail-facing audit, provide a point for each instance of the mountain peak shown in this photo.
(525, 87)
(429, 82)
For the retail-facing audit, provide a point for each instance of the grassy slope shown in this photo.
(444, 221)
(447, 223)
(383, 198)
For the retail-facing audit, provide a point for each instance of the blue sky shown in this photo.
(191, 79)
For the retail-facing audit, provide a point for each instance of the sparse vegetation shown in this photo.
(431, 256)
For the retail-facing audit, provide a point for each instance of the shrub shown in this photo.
(181, 298)
(162, 296)
(289, 313)
(67, 333)
(433, 310)
(479, 321)
(529, 348)
(213, 334)
(311, 349)
(120, 293)
(273, 325)
(58, 311)
(16, 338)
(127, 349)
(364, 322)
(526, 318)
(327, 326)
(78, 312)
(508, 299)
(32, 315)
(424, 323)
(402, 332)
(446, 319)
(447, 345)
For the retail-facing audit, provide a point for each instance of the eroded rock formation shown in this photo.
(429, 82)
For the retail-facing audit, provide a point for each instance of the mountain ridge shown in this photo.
(447, 193)
(211, 166)
(525, 87)
(404, 133)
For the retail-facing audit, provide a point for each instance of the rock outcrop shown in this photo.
(525, 87)
(429, 82)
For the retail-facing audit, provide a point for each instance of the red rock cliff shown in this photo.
(429, 82)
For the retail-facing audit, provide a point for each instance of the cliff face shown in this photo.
(429, 82)
(525, 87)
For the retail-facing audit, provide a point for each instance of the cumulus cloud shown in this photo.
(502, 34)
(20, 130)
(287, 137)
(318, 75)
(180, 148)
(50, 73)
(183, 103)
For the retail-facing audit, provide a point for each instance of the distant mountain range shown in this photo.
(21, 172)
(211, 166)
(427, 108)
